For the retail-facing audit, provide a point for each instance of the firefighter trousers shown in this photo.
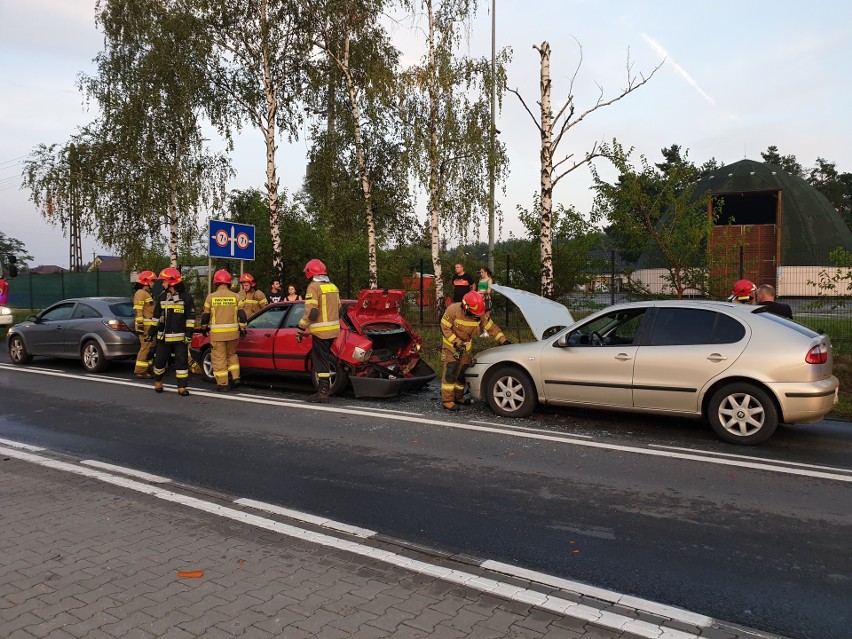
(144, 356)
(321, 358)
(163, 353)
(224, 358)
(452, 378)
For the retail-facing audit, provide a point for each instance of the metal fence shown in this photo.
(29, 291)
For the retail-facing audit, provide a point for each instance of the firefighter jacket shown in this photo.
(174, 315)
(251, 302)
(322, 309)
(223, 316)
(459, 329)
(143, 310)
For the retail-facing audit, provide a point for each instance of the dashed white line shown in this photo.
(324, 522)
(130, 472)
(761, 459)
(545, 602)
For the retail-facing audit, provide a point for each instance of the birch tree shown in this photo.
(260, 49)
(347, 28)
(446, 107)
(552, 128)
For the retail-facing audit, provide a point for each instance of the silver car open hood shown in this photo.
(544, 316)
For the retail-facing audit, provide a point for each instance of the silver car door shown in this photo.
(45, 336)
(686, 347)
(84, 320)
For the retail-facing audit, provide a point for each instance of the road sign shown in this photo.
(231, 240)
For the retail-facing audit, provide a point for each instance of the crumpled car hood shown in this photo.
(544, 316)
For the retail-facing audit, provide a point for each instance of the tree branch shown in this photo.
(538, 126)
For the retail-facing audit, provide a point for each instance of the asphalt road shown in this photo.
(657, 508)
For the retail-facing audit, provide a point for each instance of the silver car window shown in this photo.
(58, 312)
(684, 326)
(612, 329)
(84, 311)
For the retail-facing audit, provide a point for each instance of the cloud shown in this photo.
(665, 54)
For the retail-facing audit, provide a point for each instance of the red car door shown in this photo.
(288, 354)
(256, 348)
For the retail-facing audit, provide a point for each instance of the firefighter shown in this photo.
(174, 315)
(322, 316)
(143, 311)
(743, 292)
(250, 299)
(462, 322)
(225, 322)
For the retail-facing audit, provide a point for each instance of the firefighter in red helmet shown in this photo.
(743, 292)
(250, 299)
(174, 315)
(322, 316)
(143, 311)
(462, 322)
(225, 322)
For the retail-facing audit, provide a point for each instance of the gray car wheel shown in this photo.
(511, 393)
(93, 357)
(742, 414)
(18, 352)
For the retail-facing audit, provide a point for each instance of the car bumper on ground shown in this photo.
(382, 387)
(804, 403)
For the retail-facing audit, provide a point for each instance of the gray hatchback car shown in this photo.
(742, 369)
(92, 329)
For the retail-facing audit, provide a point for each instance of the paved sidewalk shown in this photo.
(82, 558)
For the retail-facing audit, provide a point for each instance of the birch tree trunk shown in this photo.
(546, 197)
(362, 166)
(268, 128)
(434, 174)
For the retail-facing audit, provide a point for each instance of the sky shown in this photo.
(737, 78)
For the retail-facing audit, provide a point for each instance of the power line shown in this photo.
(18, 160)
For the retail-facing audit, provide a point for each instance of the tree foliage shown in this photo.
(13, 246)
(445, 102)
(649, 206)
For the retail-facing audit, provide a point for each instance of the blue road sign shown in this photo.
(231, 240)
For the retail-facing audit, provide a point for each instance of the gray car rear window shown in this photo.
(122, 309)
(804, 330)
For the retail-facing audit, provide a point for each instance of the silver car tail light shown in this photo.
(117, 325)
(817, 355)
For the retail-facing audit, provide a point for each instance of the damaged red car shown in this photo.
(377, 351)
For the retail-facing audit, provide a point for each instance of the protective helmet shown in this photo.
(473, 303)
(146, 278)
(743, 290)
(315, 267)
(222, 277)
(246, 277)
(170, 276)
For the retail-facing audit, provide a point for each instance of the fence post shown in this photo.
(97, 282)
(62, 283)
(508, 265)
(611, 277)
(420, 301)
(349, 279)
(30, 281)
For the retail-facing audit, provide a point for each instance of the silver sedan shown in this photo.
(742, 369)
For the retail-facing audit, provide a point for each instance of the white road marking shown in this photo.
(521, 433)
(9, 442)
(324, 522)
(130, 472)
(484, 584)
(762, 459)
(527, 429)
(385, 410)
(611, 596)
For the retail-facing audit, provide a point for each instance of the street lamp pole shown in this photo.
(491, 159)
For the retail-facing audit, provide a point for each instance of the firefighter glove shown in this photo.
(242, 332)
(300, 334)
(187, 339)
(149, 337)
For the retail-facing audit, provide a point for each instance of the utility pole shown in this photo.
(491, 161)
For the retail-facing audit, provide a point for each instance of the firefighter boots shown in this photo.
(183, 392)
(321, 396)
(158, 387)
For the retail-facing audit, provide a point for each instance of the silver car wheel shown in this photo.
(93, 357)
(510, 392)
(741, 414)
(18, 352)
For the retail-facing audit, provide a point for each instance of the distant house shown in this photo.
(107, 263)
(47, 269)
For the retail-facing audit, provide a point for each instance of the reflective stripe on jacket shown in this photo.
(143, 309)
(251, 302)
(323, 299)
(174, 315)
(222, 312)
(457, 328)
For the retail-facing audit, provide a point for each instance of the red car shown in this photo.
(378, 352)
